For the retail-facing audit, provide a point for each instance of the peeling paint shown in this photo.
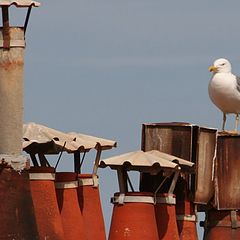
(16, 162)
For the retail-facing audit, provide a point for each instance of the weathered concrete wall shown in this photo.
(11, 93)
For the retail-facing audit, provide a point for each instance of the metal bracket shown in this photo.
(122, 198)
(122, 180)
(97, 158)
(27, 19)
(42, 176)
(170, 199)
(186, 217)
(174, 182)
(93, 181)
(66, 185)
(6, 28)
(234, 221)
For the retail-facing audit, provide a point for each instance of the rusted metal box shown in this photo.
(206, 146)
(190, 142)
(227, 172)
(171, 138)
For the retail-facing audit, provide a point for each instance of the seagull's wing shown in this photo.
(238, 83)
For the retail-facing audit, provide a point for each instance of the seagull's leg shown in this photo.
(224, 121)
(236, 122)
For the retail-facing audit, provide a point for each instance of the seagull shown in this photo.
(224, 90)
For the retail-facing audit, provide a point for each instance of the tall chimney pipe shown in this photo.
(12, 45)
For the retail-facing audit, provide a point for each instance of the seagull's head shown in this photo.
(221, 65)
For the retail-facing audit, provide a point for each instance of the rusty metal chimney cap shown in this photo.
(19, 3)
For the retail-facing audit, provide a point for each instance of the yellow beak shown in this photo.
(212, 69)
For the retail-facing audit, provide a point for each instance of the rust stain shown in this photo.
(205, 160)
(227, 175)
(12, 65)
(171, 138)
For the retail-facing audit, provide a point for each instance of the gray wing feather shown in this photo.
(238, 83)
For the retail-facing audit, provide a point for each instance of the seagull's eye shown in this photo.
(222, 64)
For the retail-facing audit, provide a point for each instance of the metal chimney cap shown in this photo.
(19, 3)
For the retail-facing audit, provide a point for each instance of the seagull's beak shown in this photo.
(212, 69)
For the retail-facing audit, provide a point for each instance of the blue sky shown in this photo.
(105, 67)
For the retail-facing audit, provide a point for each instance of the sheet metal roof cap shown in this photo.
(104, 143)
(37, 138)
(19, 3)
(138, 159)
(181, 162)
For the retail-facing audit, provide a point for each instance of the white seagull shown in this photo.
(224, 90)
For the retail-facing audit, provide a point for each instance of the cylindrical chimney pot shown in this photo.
(133, 217)
(90, 205)
(49, 222)
(166, 217)
(186, 220)
(222, 225)
(67, 197)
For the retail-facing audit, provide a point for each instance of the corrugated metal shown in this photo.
(19, 3)
(205, 159)
(151, 161)
(143, 161)
(104, 143)
(38, 138)
(227, 174)
(181, 162)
